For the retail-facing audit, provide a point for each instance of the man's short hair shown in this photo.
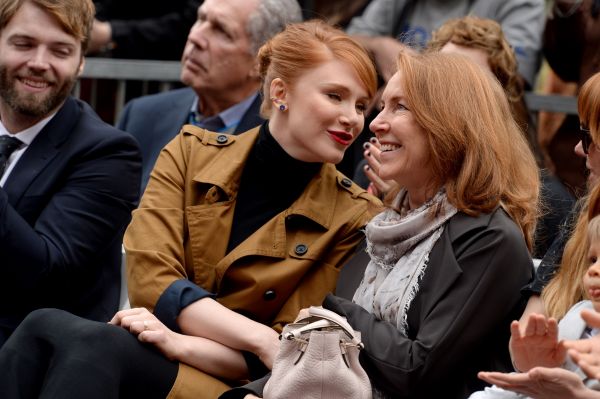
(270, 18)
(74, 16)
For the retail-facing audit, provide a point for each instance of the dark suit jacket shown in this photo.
(459, 320)
(63, 211)
(155, 119)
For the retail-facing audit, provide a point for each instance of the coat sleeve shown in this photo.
(493, 264)
(78, 221)
(154, 240)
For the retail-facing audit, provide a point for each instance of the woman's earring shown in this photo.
(282, 106)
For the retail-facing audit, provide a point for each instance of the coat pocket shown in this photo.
(209, 227)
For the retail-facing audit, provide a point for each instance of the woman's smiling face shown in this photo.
(325, 112)
(405, 151)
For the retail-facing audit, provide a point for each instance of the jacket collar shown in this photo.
(225, 170)
(44, 148)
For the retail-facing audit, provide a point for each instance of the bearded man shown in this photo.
(68, 181)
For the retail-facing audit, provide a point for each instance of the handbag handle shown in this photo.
(328, 319)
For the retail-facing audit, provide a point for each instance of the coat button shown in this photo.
(269, 295)
(346, 182)
(222, 139)
(301, 249)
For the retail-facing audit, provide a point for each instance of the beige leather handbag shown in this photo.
(318, 359)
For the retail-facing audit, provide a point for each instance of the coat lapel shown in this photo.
(436, 283)
(178, 111)
(42, 150)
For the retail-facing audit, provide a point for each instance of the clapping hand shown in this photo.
(534, 342)
(586, 352)
(542, 383)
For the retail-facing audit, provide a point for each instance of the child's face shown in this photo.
(591, 279)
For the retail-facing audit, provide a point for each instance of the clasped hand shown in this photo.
(147, 328)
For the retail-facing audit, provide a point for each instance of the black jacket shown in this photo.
(459, 320)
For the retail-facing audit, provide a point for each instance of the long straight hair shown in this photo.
(565, 288)
(478, 152)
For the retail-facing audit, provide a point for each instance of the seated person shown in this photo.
(554, 289)
(68, 181)
(234, 235)
(559, 278)
(483, 41)
(450, 253)
(219, 68)
(537, 341)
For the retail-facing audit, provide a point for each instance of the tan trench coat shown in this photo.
(182, 226)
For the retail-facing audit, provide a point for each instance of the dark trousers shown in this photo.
(54, 354)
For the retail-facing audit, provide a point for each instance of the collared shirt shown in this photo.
(26, 136)
(231, 117)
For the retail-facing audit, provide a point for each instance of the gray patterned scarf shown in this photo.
(399, 245)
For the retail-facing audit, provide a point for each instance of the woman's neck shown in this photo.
(417, 197)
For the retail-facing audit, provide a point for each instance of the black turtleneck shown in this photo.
(271, 181)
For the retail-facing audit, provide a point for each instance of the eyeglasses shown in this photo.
(586, 138)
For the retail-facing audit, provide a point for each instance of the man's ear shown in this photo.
(81, 66)
(254, 73)
(278, 91)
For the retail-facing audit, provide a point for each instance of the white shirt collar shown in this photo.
(27, 135)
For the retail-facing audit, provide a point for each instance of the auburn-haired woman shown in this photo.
(234, 235)
(450, 253)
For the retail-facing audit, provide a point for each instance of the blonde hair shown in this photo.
(565, 288)
(478, 152)
(306, 45)
(593, 230)
(74, 16)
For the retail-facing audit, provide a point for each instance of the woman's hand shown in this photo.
(542, 383)
(378, 186)
(147, 328)
(534, 342)
(250, 396)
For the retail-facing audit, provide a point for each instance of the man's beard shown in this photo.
(33, 105)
